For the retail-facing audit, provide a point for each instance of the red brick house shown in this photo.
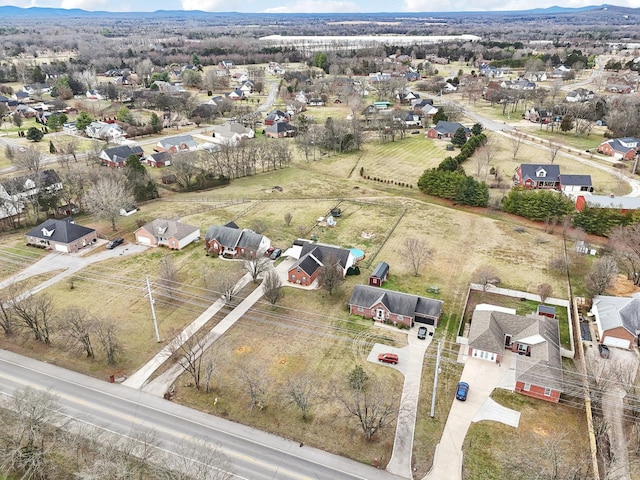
(232, 242)
(538, 176)
(170, 233)
(622, 148)
(617, 320)
(446, 130)
(535, 340)
(388, 306)
(312, 255)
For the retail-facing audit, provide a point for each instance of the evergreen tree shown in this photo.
(440, 115)
(52, 147)
(460, 137)
(83, 120)
(476, 129)
(34, 134)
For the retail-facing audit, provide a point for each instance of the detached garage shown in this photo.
(617, 320)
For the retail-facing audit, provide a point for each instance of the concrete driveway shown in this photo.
(483, 377)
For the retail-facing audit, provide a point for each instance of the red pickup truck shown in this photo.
(388, 358)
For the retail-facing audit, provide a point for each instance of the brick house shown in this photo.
(312, 255)
(170, 233)
(388, 306)
(232, 242)
(446, 130)
(538, 176)
(535, 341)
(621, 148)
(116, 157)
(617, 320)
(61, 235)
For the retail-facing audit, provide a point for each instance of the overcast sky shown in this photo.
(310, 6)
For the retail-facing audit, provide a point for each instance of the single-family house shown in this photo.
(247, 87)
(573, 184)
(232, 133)
(116, 157)
(159, 159)
(69, 128)
(617, 320)
(538, 176)
(61, 235)
(21, 96)
(622, 204)
(379, 77)
(623, 148)
(388, 306)
(180, 143)
(216, 100)
(225, 64)
(171, 233)
(560, 71)
(276, 116)
(105, 131)
(231, 241)
(410, 119)
(236, 94)
(539, 115)
(94, 95)
(16, 192)
(312, 255)
(280, 130)
(534, 339)
(379, 274)
(445, 129)
(579, 95)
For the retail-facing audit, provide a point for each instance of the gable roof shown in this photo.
(279, 127)
(169, 228)
(161, 156)
(381, 270)
(540, 333)
(177, 141)
(448, 128)
(623, 145)
(537, 172)
(121, 153)
(25, 183)
(399, 303)
(60, 231)
(233, 237)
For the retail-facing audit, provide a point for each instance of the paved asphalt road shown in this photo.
(252, 454)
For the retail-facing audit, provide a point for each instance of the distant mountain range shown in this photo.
(11, 11)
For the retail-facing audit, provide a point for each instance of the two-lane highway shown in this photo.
(252, 454)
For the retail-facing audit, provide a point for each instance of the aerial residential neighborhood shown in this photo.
(297, 245)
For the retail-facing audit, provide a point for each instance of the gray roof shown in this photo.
(123, 152)
(577, 180)
(44, 179)
(399, 303)
(624, 145)
(381, 270)
(444, 128)
(234, 237)
(532, 170)
(279, 127)
(614, 312)
(161, 156)
(544, 366)
(313, 254)
(169, 228)
(179, 140)
(608, 201)
(60, 231)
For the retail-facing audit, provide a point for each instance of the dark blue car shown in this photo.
(461, 392)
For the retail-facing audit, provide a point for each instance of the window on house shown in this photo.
(360, 309)
(547, 392)
(522, 347)
(527, 387)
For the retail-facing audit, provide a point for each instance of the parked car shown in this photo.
(388, 358)
(269, 251)
(114, 243)
(604, 350)
(422, 333)
(275, 254)
(462, 391)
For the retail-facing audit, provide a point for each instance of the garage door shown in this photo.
(61, 248)
(426, 321)
(144, 240)
(616, 342)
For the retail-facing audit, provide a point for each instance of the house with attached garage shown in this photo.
(181, 143)
(574, 184)
(538, 176)
(313, 256)
(280, 130)
(621, 148)
(159, 159)
(232, 133)
(617, 320)
(116, 157)
(387, 306)
(446, 130)
(105, 131)
(534, 343)
(61, 235)
(171, 233)
(232, 242)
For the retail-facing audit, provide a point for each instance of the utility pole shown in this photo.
(153, 311)
(435, 383)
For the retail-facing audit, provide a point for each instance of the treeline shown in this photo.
(449, 180)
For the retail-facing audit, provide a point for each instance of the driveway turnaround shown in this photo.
(483, 377)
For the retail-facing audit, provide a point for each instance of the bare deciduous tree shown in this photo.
(107, 196)
(544, 290)
(78, 326)
(516, 142)
(272, 287)
(602, 275)
(301, 391)
(30, 159)
(330, 275)
(256, 265)
(625, 242)
(484, 156)
(191, 460)
(227, 285)
(36, 313)
(416, 253)
(256, 383)
(168, 273)
(554, 148)
(106, 331)
(287, 218)
(189, 355)
(485, 276)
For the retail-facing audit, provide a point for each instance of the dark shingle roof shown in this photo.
(450, 128)
(24, 183)
(123, 151)
(397, 302)
(61, 231)
(233, 237)
(169, 228)
(578, 180)
(532, 170)
(381, 270)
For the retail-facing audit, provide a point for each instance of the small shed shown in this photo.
(546, 311)
(379, 274)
